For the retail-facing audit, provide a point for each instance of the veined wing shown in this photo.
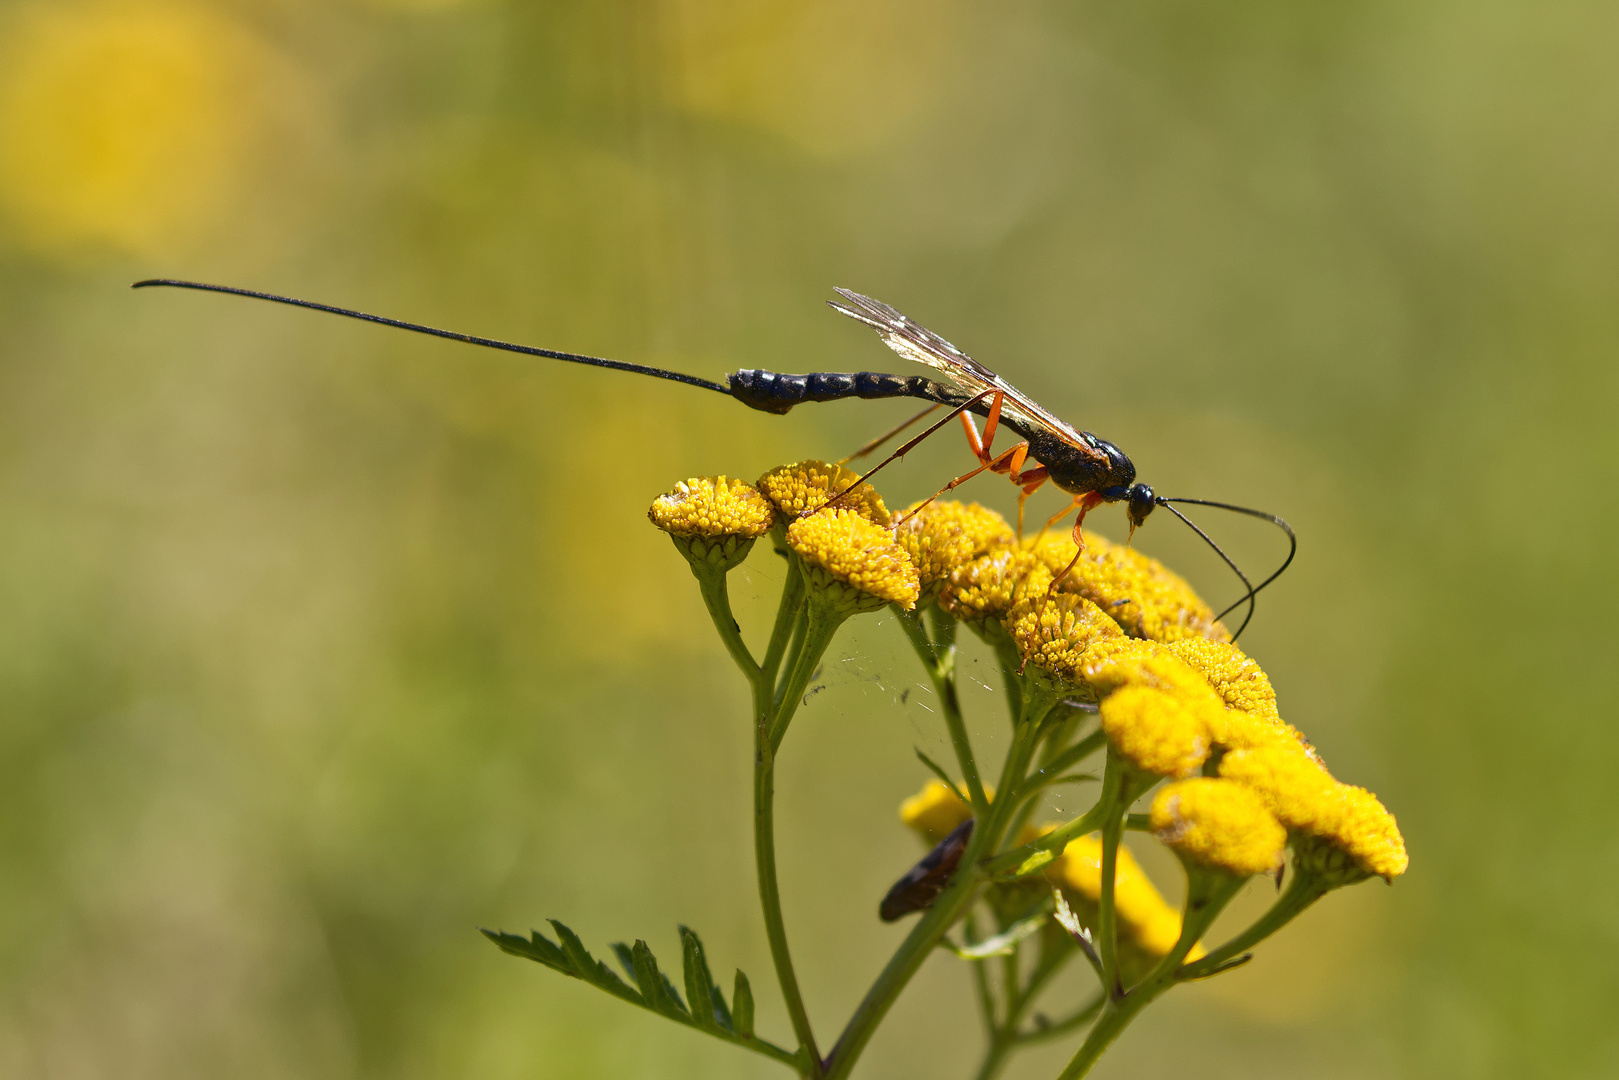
(916, 342)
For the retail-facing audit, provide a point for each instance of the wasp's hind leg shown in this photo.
(911, 445)
(881, 439)
(1085, 503)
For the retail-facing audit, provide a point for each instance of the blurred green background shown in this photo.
(322, 645)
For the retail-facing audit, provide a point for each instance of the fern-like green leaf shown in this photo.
(652, 990)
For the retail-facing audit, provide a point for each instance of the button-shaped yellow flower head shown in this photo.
(1148, 600)
(1056, 631)
(1155, 731)
(1367, 833)
(853, 560)
(985, 589)
(1295, 787)
(806, 486)
(1146, 663)
(712, 519)
(1219, 824)
(943, 536)
(1237, 679)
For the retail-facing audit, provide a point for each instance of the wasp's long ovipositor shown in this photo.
(1089, 468)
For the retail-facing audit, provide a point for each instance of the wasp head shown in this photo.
(1141, 502)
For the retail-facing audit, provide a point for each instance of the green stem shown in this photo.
(1006, 1038)
(1059, 764)
(1304, 890)
(764, 851)
(940, 662)
(1207, 893)
(800, 628)
(792, 600)
(1051, 962)
(717, 598)
(916, 948)
(986, 1001)
(1011, 669)
(995, 1056)
(1078, 1018)
(925, 935)
(820, 624)
(1055, 758)
(1107, 928)
(1053, 841)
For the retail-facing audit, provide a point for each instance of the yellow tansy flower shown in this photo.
(1295, 787)
(1236, 678)
(942, 536)
(712, 519)
(847, 553)
(806, 486)
(1155, 731)
(1145, 919)
(1055, 631)
(986, 588)
(1220, 824)
(935, 811)
(1146, 599)
(1367, 833)
(1146, 664)
(1304, 797)
(712, 506)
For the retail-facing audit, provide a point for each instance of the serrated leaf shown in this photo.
(571, 958)
(539, 948)
(578, 956)
(700, 988)
(655, 985)
(1070, 922)
(742, 1006)
(1066, 917)
(656, 993)
(625, 960)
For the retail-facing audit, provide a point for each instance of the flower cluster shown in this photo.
(1176, 698)
(1187, 720)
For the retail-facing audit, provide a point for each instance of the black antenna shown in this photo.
(1253, 590)
(488, 343)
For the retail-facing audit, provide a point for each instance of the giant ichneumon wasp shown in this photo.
(1091, 469)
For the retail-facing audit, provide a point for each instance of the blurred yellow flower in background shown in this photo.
(128, 128)
(833, 78)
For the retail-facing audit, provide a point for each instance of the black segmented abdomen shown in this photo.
(774, 392)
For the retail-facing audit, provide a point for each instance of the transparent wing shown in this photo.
(916, 342)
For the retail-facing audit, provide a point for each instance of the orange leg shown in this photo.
(1086, 503)
(1058, 516)
(999, 463)
(909, 446)
(1032, 481)
(1009, 462)
(980, 447)
(881, 439)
